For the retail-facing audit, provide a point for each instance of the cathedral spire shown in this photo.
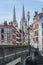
(14, 18)
(23, 13)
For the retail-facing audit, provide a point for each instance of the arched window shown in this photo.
(2, 37)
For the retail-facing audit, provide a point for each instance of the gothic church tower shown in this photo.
(23, 25)
(15, 24)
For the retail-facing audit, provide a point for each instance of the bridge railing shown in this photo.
(9, 51)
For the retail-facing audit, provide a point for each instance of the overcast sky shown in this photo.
(7, 6)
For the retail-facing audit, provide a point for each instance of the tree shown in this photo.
(25, 42)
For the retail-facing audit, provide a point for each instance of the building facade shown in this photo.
(37, 31)
(31, 35)
(9, 35)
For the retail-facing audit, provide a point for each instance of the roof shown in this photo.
(7, 26)
(37, 15)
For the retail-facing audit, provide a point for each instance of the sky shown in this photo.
(7, 6)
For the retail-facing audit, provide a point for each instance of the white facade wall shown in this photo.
(39, 43)
(31, 39)
(40, 36)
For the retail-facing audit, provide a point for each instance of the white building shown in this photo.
(31, 35)
(36, 32)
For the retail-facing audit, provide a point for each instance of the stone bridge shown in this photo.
(13, 55)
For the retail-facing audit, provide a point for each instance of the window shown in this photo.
(8, 30)
(42, 25)
(17, 35)
(8, 37)
(2, 37)
(35, 26)
(35, 39)
(18, 40)
(2, 30)
(36, 33)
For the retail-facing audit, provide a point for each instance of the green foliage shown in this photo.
(26, 42)
(9, 43)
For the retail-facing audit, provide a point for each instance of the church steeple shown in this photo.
(14, 18)
(23, 13)
(23, 25)
(14, 15)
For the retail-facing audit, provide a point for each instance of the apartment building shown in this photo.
(36, 31)
(9, 34)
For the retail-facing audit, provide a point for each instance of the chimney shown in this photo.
(36, 13)
(5, 22)
(11, 23)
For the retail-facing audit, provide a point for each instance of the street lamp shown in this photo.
(28, 16)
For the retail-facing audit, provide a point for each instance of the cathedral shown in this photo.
(12, 32)
(23, 26)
